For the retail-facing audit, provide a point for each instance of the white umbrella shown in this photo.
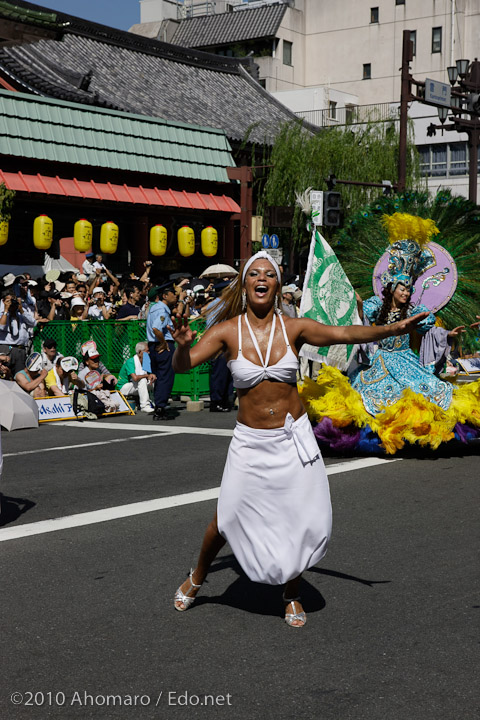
(17, 408)
(219, 270)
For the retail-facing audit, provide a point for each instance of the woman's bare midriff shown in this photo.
(266, 405)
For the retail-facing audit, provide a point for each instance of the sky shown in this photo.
(120, 14)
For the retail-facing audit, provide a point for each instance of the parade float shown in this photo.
(405, 389)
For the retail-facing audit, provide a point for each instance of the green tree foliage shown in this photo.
(363, 240)
(301, 159)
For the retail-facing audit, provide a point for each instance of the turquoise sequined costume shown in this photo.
(394, 366)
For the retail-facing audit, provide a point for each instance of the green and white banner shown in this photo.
(328, 297)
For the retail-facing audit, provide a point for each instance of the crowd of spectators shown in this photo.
(28, 305)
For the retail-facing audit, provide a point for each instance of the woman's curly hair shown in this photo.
(387, 306)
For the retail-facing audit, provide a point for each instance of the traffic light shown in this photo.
(332, 209)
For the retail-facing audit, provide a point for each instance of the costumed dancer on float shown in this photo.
(274, 505)
(396, 393)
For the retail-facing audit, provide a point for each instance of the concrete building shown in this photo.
(337, 63)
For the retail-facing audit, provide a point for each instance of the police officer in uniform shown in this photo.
(161, 345)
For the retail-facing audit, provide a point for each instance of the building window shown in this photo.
(399, 2)
(424, 152)
(374, 15)
(437, 40)
(442, 160)
(458, 159)
(349, 114)
(413, 40)
(367, 71)
(332, 110)
(263, 83)
(287, 52)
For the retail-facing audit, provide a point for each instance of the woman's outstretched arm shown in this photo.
(320, 335)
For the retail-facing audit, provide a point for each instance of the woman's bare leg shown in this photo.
(211, 546)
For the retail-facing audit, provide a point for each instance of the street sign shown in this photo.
(316, 202)
(265, 241)
(277, 254)
(274, 241)
(437, 93)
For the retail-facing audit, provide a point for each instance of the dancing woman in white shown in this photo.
(274, 505)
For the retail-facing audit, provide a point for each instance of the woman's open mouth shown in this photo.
(261, 291)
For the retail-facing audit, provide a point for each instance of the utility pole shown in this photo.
(405, 98)
(463, 107)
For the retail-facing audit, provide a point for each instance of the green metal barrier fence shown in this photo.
(116, 342)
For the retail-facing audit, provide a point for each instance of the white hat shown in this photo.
(97, 290)
(65, 295)
(76, 301)
(82, 278)
(8, 279)
(59, 285)
(32, 283)
(69, 363)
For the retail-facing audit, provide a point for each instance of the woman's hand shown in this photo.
(456, 332)
(402, 327)
(476, 324)
(182, 332)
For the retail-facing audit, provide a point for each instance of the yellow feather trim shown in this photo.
(412, 418)
(402, 226)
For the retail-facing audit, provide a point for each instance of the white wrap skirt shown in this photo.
(274, 507)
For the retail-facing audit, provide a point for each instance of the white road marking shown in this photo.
(79, 445)
(167, 430)
(146, 506)
(358, 464)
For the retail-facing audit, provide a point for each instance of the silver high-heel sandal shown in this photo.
(185, 598)
(291, 617)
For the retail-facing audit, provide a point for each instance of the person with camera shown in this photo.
(98, 309)
(51, 306)
(5, 372)
(15, 323)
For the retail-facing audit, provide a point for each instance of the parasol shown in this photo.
(17, 408)
(219, 270)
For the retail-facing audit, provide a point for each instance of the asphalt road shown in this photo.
(87, 611)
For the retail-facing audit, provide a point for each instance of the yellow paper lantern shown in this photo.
(42, 232)
(186, 241)
(158, 240)
(3, 231)
(109, 238)
(82, 235)
(209, 241)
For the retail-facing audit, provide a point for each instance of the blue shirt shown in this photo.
(159, 317)
(16, 330)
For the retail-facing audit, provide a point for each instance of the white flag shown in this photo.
(328, 297)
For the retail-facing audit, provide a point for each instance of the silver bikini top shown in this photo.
(247, 374)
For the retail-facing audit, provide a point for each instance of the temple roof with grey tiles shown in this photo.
(230, 27)
(97, 65)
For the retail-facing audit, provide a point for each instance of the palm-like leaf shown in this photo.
(363, 240)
